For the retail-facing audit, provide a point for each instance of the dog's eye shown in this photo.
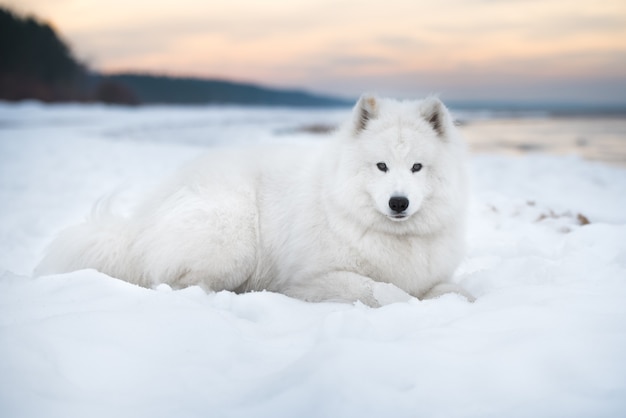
(382, 167)
(416, 167)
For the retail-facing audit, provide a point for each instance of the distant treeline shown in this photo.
(159, 89)
(36, 64)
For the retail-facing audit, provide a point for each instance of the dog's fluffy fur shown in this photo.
(376, 215)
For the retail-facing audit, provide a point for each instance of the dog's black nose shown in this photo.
(398, 203)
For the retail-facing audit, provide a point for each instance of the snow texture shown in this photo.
(547, 262)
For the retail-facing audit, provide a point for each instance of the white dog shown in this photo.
(375, 215)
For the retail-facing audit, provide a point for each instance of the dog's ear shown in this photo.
(436, 114)
(365, 110)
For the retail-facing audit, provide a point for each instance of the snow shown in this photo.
(546, 336)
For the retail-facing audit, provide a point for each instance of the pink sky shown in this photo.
(556, 50)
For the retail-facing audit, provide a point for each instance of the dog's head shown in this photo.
(403, 158)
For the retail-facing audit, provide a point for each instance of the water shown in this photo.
(594, 138)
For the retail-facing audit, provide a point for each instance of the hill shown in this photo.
(36, 63)
(150, 89)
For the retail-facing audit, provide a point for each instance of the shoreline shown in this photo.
(600, 139)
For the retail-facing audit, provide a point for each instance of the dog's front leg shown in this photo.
(345, 286)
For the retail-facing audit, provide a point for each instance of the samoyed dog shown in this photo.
(377, 215)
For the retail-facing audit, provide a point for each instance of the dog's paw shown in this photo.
(443, 288)
(386, 293)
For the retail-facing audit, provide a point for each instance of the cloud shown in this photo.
(352, 61)
(401, 42)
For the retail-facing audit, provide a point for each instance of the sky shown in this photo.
(502, 50)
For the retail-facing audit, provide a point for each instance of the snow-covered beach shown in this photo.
(547, 262)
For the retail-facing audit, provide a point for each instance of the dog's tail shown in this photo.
(102, 242)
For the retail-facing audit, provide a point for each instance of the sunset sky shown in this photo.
(506, 50)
